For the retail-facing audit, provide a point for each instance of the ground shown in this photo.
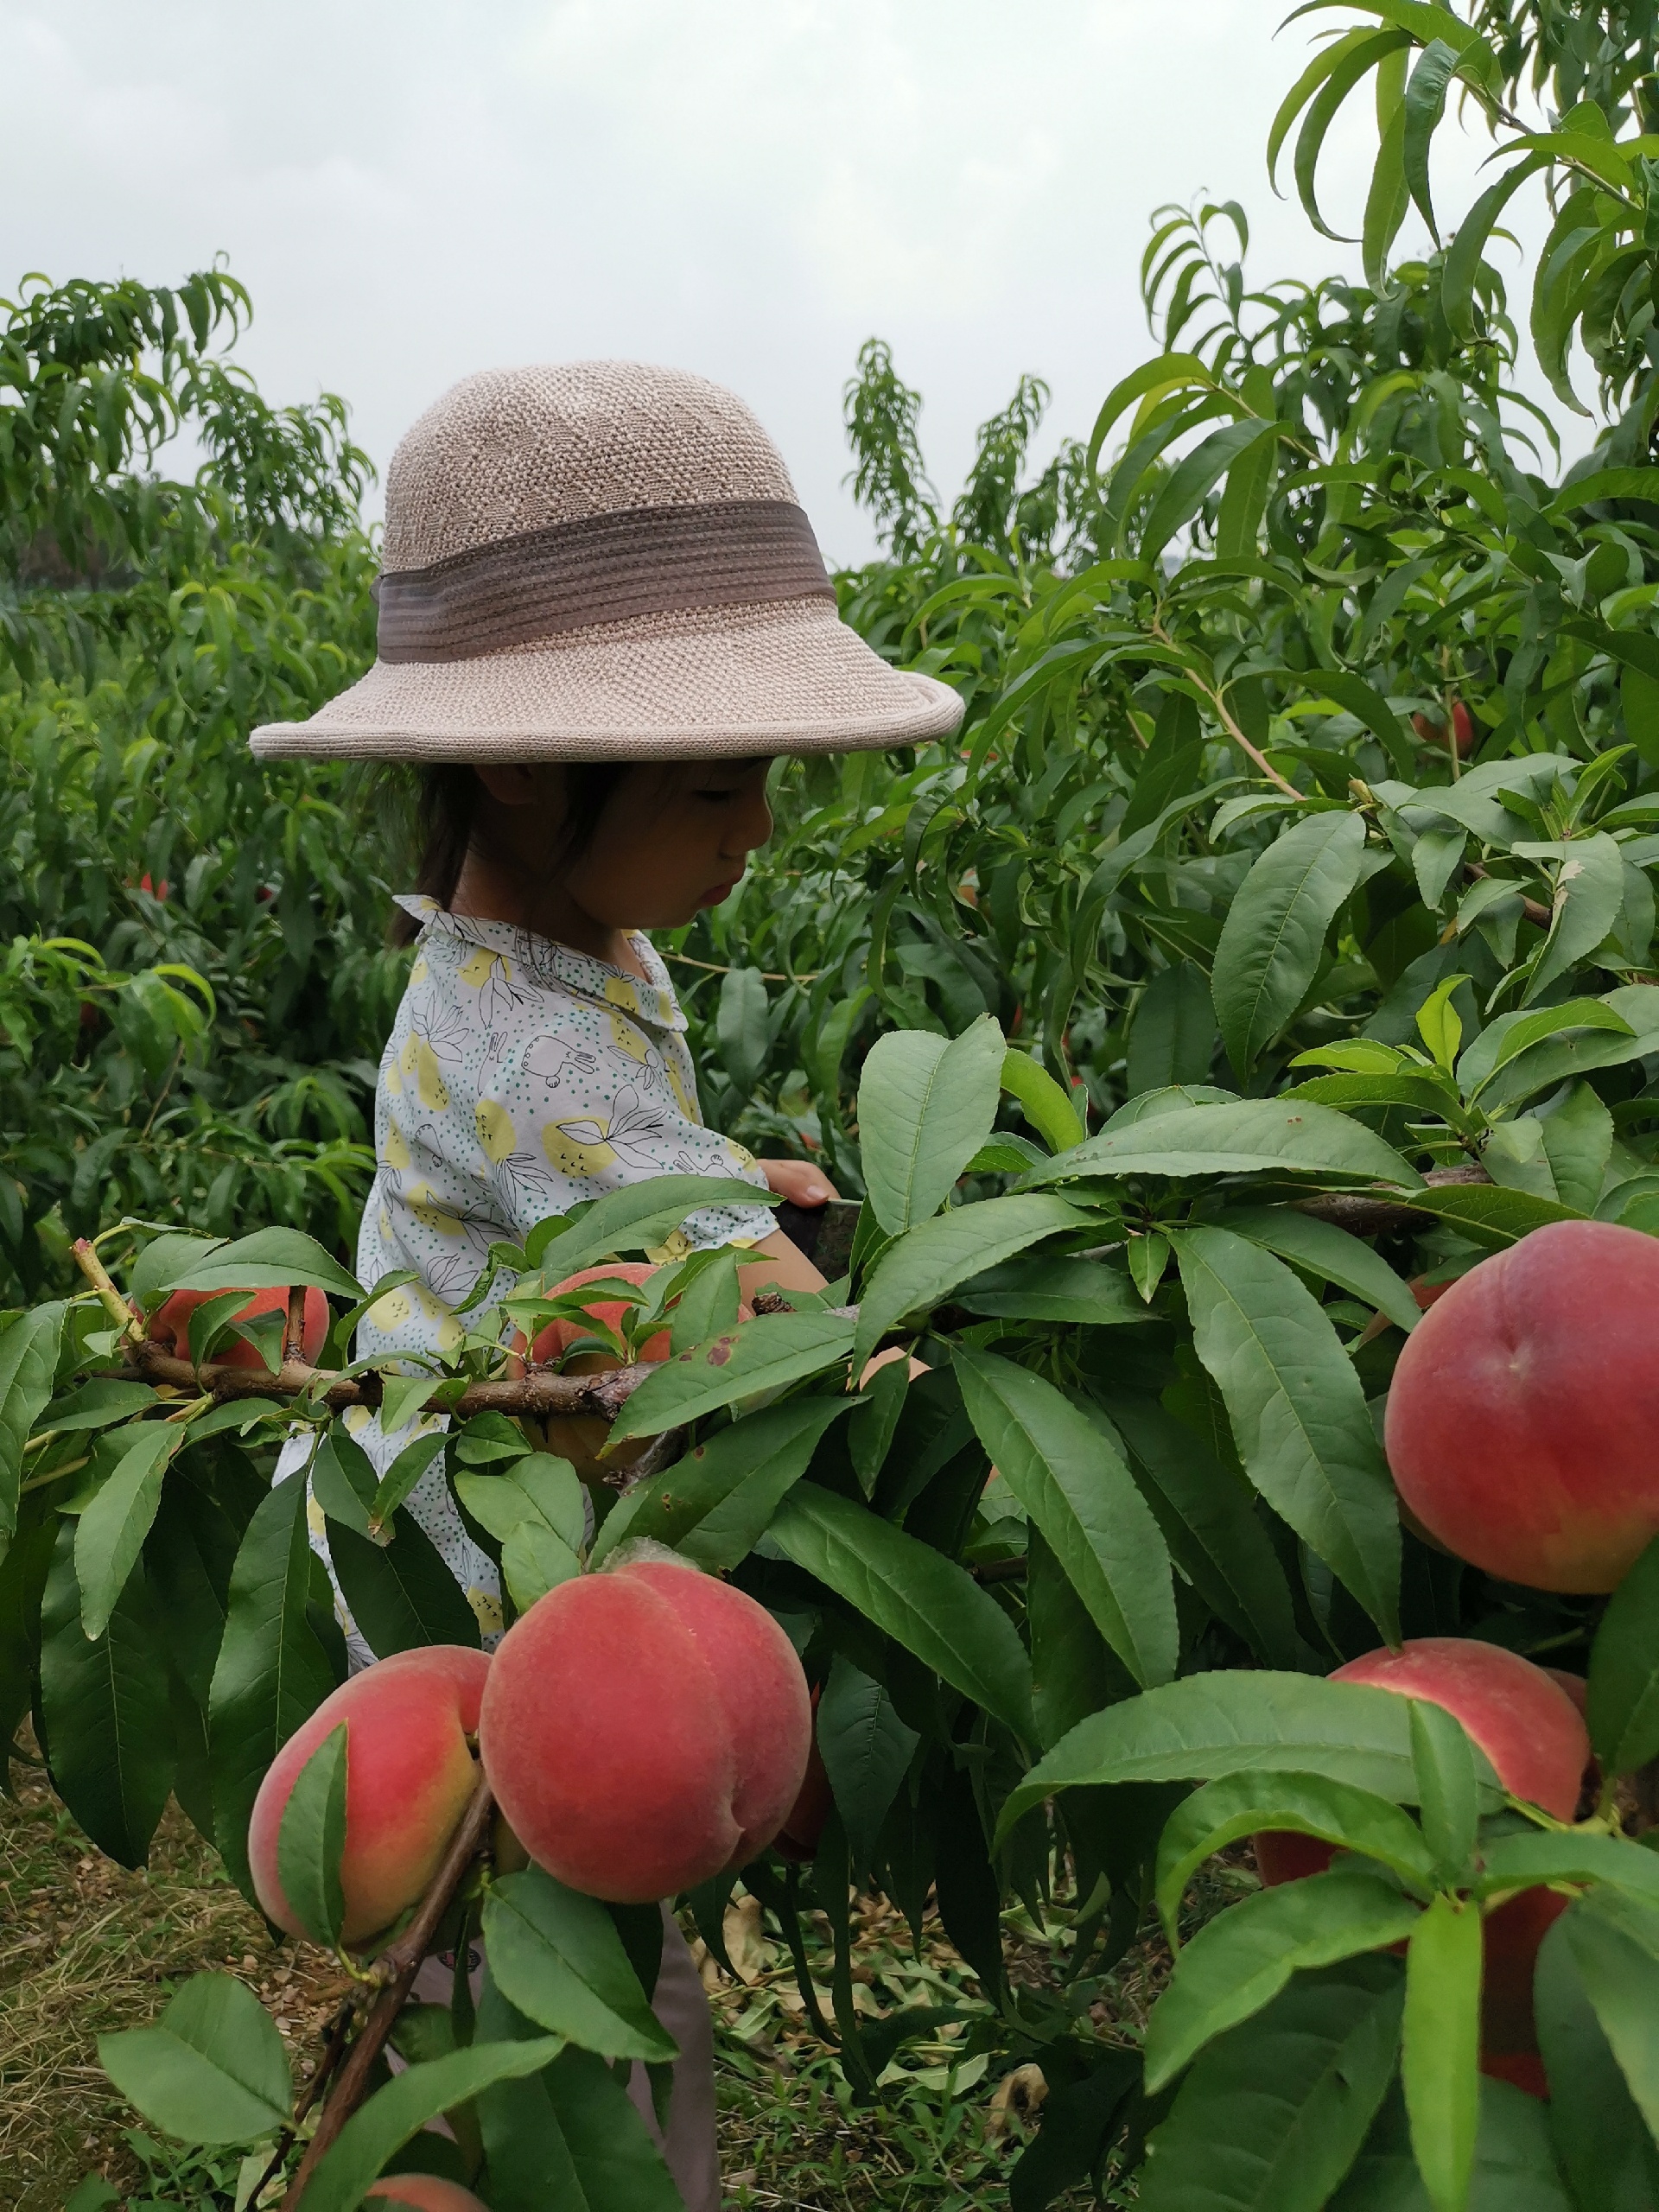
(86, 1946)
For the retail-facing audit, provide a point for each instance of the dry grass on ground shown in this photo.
(86, 1946)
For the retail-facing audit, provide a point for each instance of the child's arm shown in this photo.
(779, 1264)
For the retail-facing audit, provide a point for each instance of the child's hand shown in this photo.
(798, 1182)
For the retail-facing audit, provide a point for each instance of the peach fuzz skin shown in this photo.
(643, 1729)
(1523, 1416)
(410, 1774)
(170, 1325)
(1531, 1730)
(424, 2193)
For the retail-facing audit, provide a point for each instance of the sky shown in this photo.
(749, 188)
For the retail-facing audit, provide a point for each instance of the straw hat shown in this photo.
(600, 561)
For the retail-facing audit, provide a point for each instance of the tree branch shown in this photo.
(1364, 1217)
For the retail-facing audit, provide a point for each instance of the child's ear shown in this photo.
(522, 782)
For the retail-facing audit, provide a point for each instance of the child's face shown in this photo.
(673, 837)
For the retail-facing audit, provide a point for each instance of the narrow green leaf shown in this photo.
(1440, 2062)
(1042, 1101)
(1237, 1137)
(110, 1534)
(311, 1838)
(402, 1476)
(1589, 892)
(921, 1269)
(1274, 935)
(28, 1359)
(1444, 1759)
(1614, 1941)
(1173, 1036)
(716, 1502)
(640, 1216)
(1298, 1411)
(535, 1559)
(1624, 1698)
(1610, 2158)
(1332, 1254)
(400, 1595)
(1424, 107)
(914, 1594)
(1070, 1479)
(1240, 1960)
(761, 1355)
(867, 1750)
(268, 1259)
(537, 1487)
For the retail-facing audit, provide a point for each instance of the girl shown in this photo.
(602, 614)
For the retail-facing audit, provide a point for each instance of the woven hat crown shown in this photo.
(512, 450)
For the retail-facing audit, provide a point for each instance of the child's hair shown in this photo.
(433, 812)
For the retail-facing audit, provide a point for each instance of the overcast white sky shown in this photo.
(415, 188)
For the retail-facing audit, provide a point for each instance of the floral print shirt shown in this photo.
(520, 1079)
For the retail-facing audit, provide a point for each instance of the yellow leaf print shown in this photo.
(391, 1312)
(740, 1153)
(675, 1248)
(450, 1333)
(486, 1609)
(418, 973)
(394, 1080)
(397, 1153)
(627, 1038)
(476, 971)
(494, 1126)
(688, 1104)
(314, 1519)
(357, 1417)
(576, 1155)
(620, 992)
(434, 1092)
(428, 1209)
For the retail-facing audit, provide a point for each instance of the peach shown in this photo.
(170, 1325)
(643, 1729)
(1523, 1418)
(410, 1774)
(424, 2193)
(1531, 1730)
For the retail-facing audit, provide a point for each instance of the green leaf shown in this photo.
(109, 1729)
(1072, 1484)
(1206, 1726)
(1488, 1214)
(111, 1533)
(1623, 1708)
(310, 1839)
(921, 1268)
(1577, 1141)
(867, 1751)
(641, 1215)
(1273, 935)
(1211, 1524)
(402, 1476)
(1329, 1253)
(1514, 2165)
(709, 1303)
(717, 1501)
(211, 2070)
(1173, 1036)
(1517, 1862)
(1424, 107)
(96, 1405)
(1272, 2114)
(1614, 1942)
(912, 1594)
(761, 1355)
(1298, 1411)
(1589, 892)
(1439, 2063)
(400, 1595)
(537, 1487)
(1243, 1805)
(1195, 476)
(924, 1108)
(343, 1479)
(742, 1027)
(558, 1958)
(1445, 1762)
(1241, 1960)
(271, 1673)
(1042, 1288)
(1610, 2158)
(1242, 1137)
(269, 1258)
(28, 1360)
(1511, 1035)
(1042, 1101)
(535, 1559)
(404, 2105)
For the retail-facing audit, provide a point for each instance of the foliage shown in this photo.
(1298, 847)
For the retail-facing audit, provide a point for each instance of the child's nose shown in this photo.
(752, 824)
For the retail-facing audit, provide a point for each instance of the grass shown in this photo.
(87, 1947)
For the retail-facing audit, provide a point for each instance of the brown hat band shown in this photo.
(603, 569)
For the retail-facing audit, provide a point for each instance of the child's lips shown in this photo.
(712, 897)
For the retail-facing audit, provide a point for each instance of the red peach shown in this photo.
(170, 1324)
(1531, 1731)
(410, 1775)
(1524, 1408)
(424, 2193)
(643, 1729)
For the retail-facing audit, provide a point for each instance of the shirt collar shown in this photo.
(560, 965)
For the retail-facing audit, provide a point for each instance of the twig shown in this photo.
(98, 1276)
(333, 2050)
(1540, 917)
(1366, 1217)
(294, 1328)
(396, 1970)
(714, 968)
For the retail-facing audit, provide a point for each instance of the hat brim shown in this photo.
(787, 677)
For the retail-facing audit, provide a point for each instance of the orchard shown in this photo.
(1240, 1047)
